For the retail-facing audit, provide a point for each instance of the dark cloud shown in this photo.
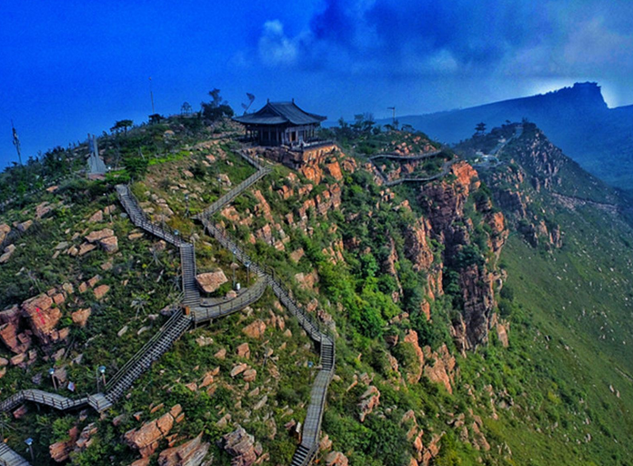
(463, 37)
(410, 35)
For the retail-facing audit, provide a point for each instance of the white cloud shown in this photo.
(275, 48)
(594, 44)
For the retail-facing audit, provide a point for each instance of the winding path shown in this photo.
(197, 311)
(408, 158)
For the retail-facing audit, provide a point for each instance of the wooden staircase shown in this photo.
(173, 329)
(233, 193)
(178, 323)
(188, 267)
(312, 425)
(10, 458)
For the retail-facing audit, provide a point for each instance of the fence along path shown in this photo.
(10, 458)
(312, 425)
(187, 252)
(179, 323)
(233, 193)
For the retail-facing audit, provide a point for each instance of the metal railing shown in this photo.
(8, 457)
(223, 308)
(394, 156)
(233, 193)
(45, 398)
(147, 348)
(140, 219)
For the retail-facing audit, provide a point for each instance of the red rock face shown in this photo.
(241, 446)
(417, 249)
(445, 205)
(146, 438)
(412, 338)
(42, 317)
(189, 453)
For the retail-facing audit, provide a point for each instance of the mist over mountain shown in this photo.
(577, 119)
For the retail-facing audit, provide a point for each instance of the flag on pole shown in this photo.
(16, 142)
(16, 139)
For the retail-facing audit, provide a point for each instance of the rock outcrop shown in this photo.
(146, 438)
(191, 453)
(241, 446)
(211, 281)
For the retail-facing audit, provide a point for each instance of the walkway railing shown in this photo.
(393, 156)
(140, 219)
(178, 323)
(44, 398)
(10, 458)
(249, 296)
(236, 191)
(319, 333)
(162, 340)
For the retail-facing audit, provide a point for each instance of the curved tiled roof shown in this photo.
(278, 113)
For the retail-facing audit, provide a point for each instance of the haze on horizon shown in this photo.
(70, 68)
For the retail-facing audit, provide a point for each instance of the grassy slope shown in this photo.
(570, 353)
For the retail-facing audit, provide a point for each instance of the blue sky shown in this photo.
(69, 68)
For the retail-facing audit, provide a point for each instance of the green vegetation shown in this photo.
(379, 266)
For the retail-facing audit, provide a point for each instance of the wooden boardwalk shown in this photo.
(318, 333)
(179, 323)
(10, 458)
(426, 155)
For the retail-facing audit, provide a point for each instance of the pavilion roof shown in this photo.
(278, 113)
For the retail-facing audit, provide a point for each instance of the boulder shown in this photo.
(60, 451)
(255, 330)
(141, 462)
(369, 400)
(100, 291)
(336, 458)
(85, 248)
(241, 446)
(191, 453)
(243, 351)
(80, 317)
(238, 369)
(43, 318)
(22, 227)
(42, 209)
(8, 252)
(211, 281)
(20, 412)
(4, 231)
(9, 336)
(207, 380)
(146, 438)
(110, 244)
(99, 235)
(96, 217)
(249, 375)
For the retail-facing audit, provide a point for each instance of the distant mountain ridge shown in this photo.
(577, 119)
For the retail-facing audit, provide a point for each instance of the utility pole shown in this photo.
(16, 142)
(151, 95)
(394, 115)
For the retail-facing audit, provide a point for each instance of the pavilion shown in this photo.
(280, 123)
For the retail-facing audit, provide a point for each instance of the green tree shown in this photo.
(135, 166)
(480, 129)
(121, 125)
(217, 108)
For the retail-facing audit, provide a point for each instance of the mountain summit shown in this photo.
(577, 119)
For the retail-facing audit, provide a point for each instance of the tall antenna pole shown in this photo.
(151, 95)
(394, 115)
(16, 142)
